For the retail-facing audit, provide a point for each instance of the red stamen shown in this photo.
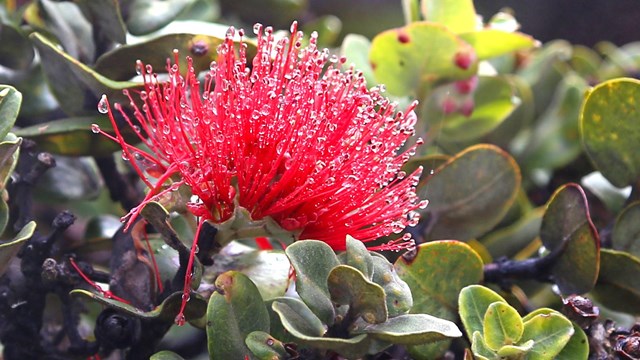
(106, 293)
(186, 291)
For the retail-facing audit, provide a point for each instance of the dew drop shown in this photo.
(103, 105)
(139, 67)
(95, 128)
(257, 28)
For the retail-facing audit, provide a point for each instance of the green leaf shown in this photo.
(10, 100)
(413, 58)
(467, 209)
(494, 100)
(76, 86)
(9, 152)
(434, 261)
(490, 43)
(72, 136)
(550, 332)
(397, 292)
(479, 347)
(567, 228)
(578, 345)
(166, 355)
(509, 240)
(357, 256)
(9, 249)
(348, 286)
(234, 311)
(411, 10)
(502, 325)
(313, 261)
(73, 178)
(167, 310)
(554, 141)
(610, 129)
(412, 329)
(16, 51)
(356, 48)
(515, 351)
(618, 286)
(457, 15)
(626, 231)
(107, 17)
(265, 346)
(297, 318)
(307, 329)
(145, 16)
(473, 303)
(120, 63)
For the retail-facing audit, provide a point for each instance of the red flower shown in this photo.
(287, 138)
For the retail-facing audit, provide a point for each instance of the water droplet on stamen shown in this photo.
(95, 128)
(103, 105)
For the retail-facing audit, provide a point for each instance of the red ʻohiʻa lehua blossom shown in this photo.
(290, 138)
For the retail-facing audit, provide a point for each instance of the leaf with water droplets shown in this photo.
(609, 124)
(467, 209)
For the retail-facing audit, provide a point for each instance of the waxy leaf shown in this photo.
(413, 58)
(412, 329)
(479, 347)
(9, 249)
(72, 136)
(457, 15)
(76, 86)
(515, 351)
(490, 43)
(9, 151)
(550, 333)
(120, 63)
(107, 17)
(434, 261)
(235, 310)
(10, 101)
(145, 16)
(265, 346)
(567, 228)
(365, 299)
(473, 303)
(306, 328)
(16, 51)
(167, 310)
(313, 261)
(610, 129)
(626, 231)
(502, 325)
(618, 286)
(467, 209)
(578, 345)
(509, 240)
(166, 355)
